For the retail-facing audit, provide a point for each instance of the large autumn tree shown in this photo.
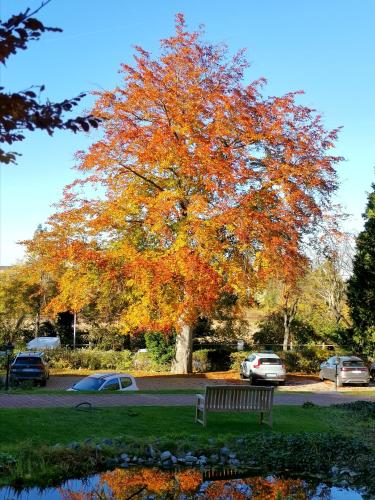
(204, 186)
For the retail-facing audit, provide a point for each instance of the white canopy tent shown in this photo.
(42, 343)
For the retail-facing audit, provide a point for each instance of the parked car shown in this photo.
(349, 370)
(372, 371)
(29, 366)
(263, 366)
(106, 382)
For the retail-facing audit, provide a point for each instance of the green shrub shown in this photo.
(144, 361)
(307, 359)
(205, 360)
(236, 358)
(91, 359)
(201, 362)
(161, 347)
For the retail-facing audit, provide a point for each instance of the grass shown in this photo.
(63, 425)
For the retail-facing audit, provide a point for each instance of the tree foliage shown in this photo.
(361, 285)
(204, 185)
(22, 110)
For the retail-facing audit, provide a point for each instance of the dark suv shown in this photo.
(29, 366)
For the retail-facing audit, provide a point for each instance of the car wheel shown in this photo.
(251, 379)
(372, 376)
(242, 376)
(339, 382)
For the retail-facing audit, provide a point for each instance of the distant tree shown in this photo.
(19, 303)
(271, 330)
(22, 110)
(361, 285)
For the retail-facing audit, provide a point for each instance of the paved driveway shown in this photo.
(295, 383)
(49, 401)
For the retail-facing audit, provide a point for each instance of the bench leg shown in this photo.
(200, 415)
(270, 419)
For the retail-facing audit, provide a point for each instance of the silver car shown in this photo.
(263, 366)
(347, 369)
(106, 382)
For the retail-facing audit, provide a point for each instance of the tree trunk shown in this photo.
(286, 332)
(183, 361)
(37, 323)
(74, 329)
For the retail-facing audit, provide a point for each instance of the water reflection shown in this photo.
(147, 483)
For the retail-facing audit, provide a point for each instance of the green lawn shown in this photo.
(63, 425)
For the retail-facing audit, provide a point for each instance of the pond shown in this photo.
(151, 483)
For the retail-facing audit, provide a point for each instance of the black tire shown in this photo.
(251, 379)
(372, 375)
(242, 376)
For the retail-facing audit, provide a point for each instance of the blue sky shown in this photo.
(325, 48)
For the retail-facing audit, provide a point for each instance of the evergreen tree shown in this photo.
(361, 286)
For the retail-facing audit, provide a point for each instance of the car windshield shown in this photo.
(270, 361)
(28, 361)
(88, 384)
(353, 363)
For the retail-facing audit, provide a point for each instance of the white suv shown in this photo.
(263, 366)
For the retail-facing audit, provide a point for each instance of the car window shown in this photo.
(270, 361)
(125, 382)
(88, 384)
(251, 357)
(24, 360)
(111, 385)
(353, 362)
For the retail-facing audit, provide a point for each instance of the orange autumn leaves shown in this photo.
(203, 186)
(123, 484)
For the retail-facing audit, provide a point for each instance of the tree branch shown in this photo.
(137, 174)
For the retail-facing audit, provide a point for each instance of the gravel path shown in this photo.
(49, 401)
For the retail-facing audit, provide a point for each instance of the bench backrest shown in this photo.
(240, 398)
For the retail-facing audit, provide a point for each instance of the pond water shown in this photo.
(147, 483)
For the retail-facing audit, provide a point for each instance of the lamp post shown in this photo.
(8, 352)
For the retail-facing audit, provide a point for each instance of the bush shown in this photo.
(206, 360)
(144, 361)
(91, 359)
(307, 359)
(236, 358)
(161, 347)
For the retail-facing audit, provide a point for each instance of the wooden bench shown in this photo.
(235, 398)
